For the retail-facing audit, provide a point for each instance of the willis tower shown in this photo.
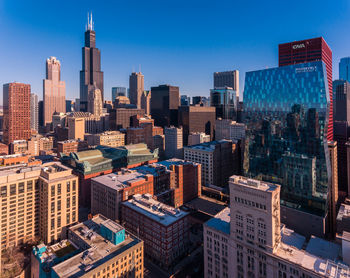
(91, 74)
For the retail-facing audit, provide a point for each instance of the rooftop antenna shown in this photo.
(90, 24)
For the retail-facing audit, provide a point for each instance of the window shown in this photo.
(13, 189)
(68, 186)
(52, 223)
(52, 190)
(74, 185)
(3, 191)
(58, 221)
(58, 205)
(29, 185)
(21, 187)
(59, 188)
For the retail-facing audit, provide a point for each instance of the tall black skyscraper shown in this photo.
(91, 67)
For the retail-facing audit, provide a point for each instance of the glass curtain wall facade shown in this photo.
(225, 100)
(286, 113)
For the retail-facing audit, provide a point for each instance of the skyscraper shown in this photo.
(54, 95)
(16, 101)
(136, 88)
(165, 101)
(91, 73)
(344, 69)
(225, 100)
(227, 79)
(173, 142)
(146, 102)
(118, 91)
(287, 119)
(315, 49)
(95, 104)
(34, 112)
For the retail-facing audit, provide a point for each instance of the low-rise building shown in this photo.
(69, 146)
(107, 138)
(164, 229)
(109, 191)
(343, 218)
(104, 160)
(4, 149)
(98, 247)
(229, 130)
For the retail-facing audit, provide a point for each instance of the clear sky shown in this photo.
(179, 42)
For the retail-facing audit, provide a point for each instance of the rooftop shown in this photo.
(157, 211)
(207, 146)
(176, 161)
(256, 184)
(121, 179)
(100, 250)
(344, 212)
(221, 221)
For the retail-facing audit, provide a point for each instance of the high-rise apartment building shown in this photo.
(91, 74)
(34, 112)
(248, 240)
(136, 88)
(173, 142)
(48, 192)
(344, 69)
(165, 101)
(285, 133)
(164, 229)
(54, 90)
(225, 100)
(118, 91)
(229, 130)
(94, 248)
(196, 119)
(310, 50)
(227, 79)
(16, 102)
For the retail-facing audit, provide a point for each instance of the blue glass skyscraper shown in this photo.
(286, 113)
(344, 69)
(118, 91)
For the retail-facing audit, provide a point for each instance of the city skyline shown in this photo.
(186, 58)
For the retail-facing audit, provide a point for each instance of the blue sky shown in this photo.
(176, 42)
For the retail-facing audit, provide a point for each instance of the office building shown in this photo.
(109, 191)
(34, 112)
(92, 123)
(310, 50)
(229, 130)
(341, 89)
(122, 117)
(227, 79)
(76, 128)
(285, 143)
(248, 240)
(70, 146)
(343, 218)
(16, 102)
(185, 100)
(108, 138)
(219, 160)
(164, 229)
(173, 142)
(225, 100)
(95, 102)
(25, 198)
(341, 136)
(95, 248)
(91, 74)
(165, 103)
(344, 69)
(104, 160)
(70, 106)
(195, 138)
(196, 119)
(117, 92)
(54, 89)
(146, 102)
(136, 88)
(200, 100)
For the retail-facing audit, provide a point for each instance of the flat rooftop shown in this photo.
(251, 183)
(207, 205)
(176, 161)
(221, 221)
(344, 212)
(118, 180)
(100, 251)
(206, 146)
(157, 211)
